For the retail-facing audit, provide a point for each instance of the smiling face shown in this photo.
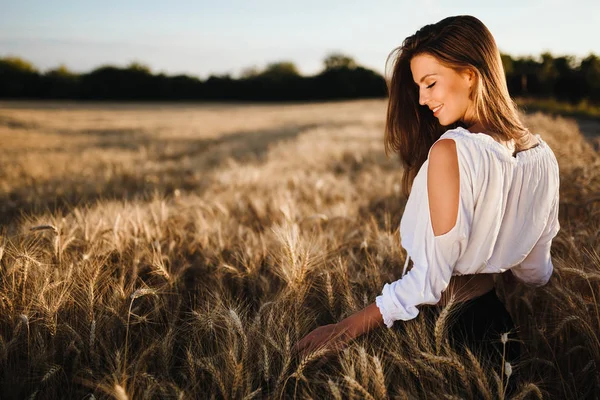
(443, 90)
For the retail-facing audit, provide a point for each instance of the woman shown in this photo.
(483, 189)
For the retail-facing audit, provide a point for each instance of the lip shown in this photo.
(437, 109)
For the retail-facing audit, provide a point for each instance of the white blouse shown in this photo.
(507, 218)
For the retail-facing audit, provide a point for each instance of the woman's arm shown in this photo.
(443, 192)
(337, 336)
(363, 321)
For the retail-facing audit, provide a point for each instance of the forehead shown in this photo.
(424, 64)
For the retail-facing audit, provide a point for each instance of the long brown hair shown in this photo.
(460, 42)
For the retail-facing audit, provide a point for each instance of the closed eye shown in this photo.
(430, 86)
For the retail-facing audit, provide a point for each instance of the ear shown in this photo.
(470, 77)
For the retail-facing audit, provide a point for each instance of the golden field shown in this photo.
(180, 250)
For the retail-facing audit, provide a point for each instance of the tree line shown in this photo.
(564, 78)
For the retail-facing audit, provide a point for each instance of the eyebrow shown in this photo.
(423, 78)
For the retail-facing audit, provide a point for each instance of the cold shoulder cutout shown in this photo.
(443, 186)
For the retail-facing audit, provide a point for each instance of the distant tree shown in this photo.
(525, 72)
(220, 87)
(18, 78)
(281, 70)
(182, 87)
(337, 61)
(249, 72)
(342, 82)
(567, 85)
(61, 71)
(507, 63)
(139, 68)
(547, 74)
(563, 77)
(109, 82)
(590, 75)
(17, 64)
(60, 83)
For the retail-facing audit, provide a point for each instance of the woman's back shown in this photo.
(508, 211)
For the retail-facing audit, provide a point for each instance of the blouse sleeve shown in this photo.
(537, 267)
(434, 257)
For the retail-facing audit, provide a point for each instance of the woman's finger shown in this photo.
(306, 339)
(320, 337)
(304, 343)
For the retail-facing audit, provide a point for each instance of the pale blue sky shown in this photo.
(201, 37)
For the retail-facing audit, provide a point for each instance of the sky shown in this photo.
(203, 38)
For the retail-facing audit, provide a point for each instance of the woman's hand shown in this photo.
(337, 336)
(334, 337)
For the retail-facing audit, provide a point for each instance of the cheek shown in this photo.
(459, 98)
(455, 101)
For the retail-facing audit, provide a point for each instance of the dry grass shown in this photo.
(179, 251)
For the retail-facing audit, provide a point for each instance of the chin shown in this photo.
(447, 121)
(444, 122)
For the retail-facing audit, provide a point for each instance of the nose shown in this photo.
(422, 99)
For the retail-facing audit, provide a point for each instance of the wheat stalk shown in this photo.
(379, 378)
(364, 369)
(253, 394)
(44, 228)
(307, 360)
(329, 287)
(335, 391)
(357, 386)
(451, 362)
(237, 378)
(481, 379)
(528, 389)
(563, 322)
(266, 363)
(215, 374)
(135, 295)
(405, 364)
(440, 324)
(432, 371)
(237, 323)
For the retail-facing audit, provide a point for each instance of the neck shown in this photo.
(479, 127)
(472, 123)
(476, 127)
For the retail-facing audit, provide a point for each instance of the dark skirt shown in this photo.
(479, 324)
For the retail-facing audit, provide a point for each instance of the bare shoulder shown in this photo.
(443, 185)
(443, 153)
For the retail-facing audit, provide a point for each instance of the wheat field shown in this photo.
(180, 250)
